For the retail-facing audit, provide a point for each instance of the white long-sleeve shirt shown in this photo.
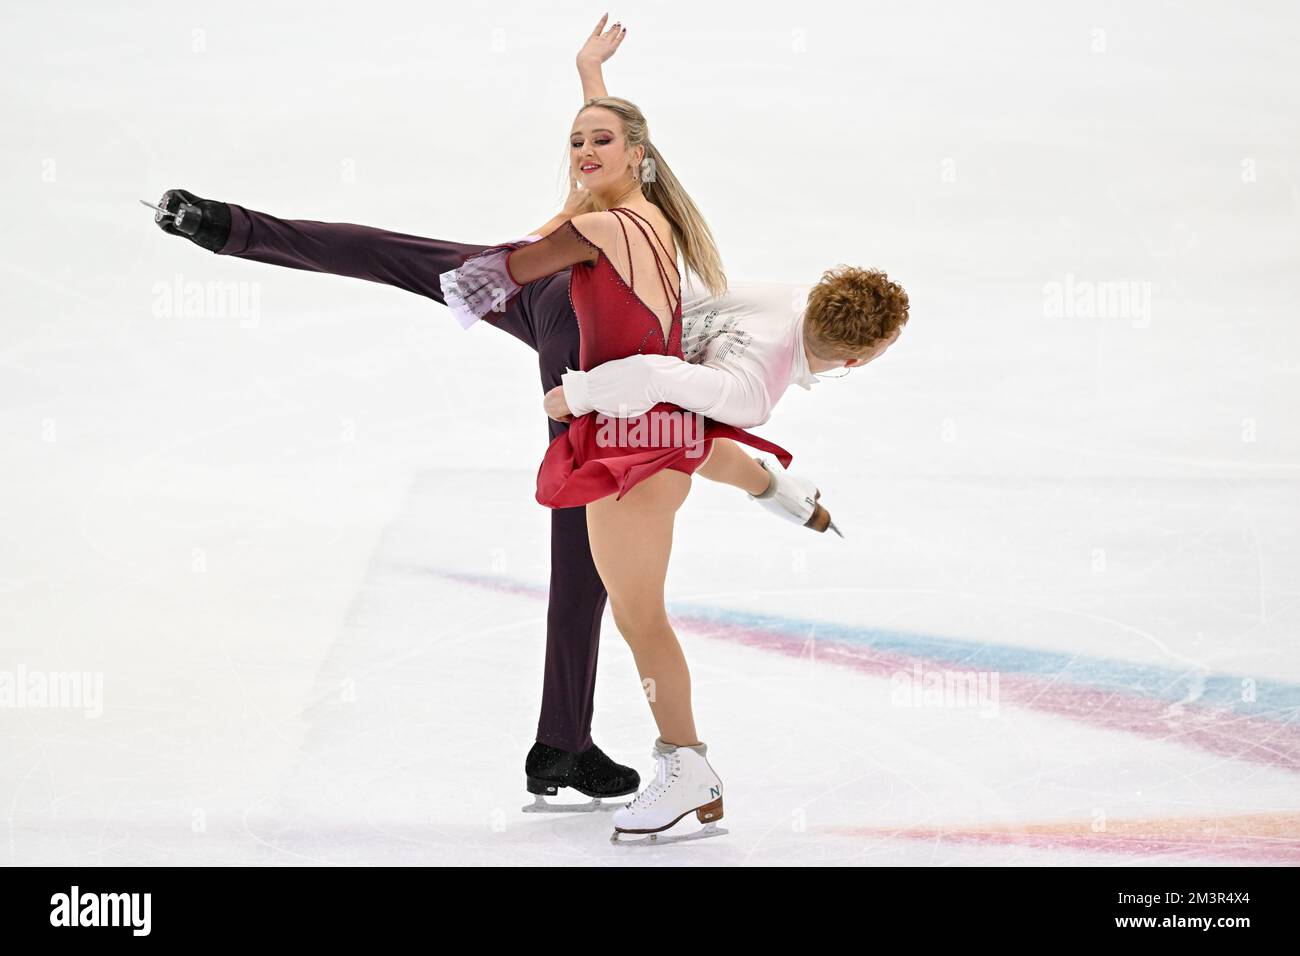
(742, 350)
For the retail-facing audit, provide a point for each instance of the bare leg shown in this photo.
(731, 466)
(631, 541)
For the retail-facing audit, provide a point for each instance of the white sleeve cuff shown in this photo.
(576, 393)
(482, 283)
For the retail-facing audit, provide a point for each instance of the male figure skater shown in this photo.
(743, 350)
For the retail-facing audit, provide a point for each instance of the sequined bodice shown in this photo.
(614, 321)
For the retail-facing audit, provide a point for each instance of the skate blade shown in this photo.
(157, 208)
(619, 838)
(834, 528)
(539, 805)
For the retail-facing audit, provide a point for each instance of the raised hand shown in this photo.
(602, 43)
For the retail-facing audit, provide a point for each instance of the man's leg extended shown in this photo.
(542, 317)
(412, 263)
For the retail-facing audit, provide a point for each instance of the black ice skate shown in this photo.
(591, 773)
(204, 222)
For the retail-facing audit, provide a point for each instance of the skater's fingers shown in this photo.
(600, 26)
(555, 406)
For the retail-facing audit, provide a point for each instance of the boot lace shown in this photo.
(665, 773)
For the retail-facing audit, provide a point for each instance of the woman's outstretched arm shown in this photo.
(598, 48)
(487, 280)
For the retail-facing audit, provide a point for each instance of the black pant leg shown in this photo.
(542, 317)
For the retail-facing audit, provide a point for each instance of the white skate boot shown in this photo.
(794, 499)
(684, 783)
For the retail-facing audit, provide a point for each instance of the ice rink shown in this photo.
(279, 528)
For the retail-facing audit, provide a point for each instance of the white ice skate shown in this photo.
(684, 783)
(794, 499)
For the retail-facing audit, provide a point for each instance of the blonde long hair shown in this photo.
(659, 185)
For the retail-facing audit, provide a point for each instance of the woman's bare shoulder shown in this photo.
(598, 228)
(608, 229)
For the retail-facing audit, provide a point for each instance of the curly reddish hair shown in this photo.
(852, 310)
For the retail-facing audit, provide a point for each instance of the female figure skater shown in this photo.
(626, 294)
(542, 316)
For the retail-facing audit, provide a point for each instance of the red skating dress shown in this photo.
(599, 456)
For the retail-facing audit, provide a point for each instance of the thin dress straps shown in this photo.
(673, 298)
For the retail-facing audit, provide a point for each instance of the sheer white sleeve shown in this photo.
(482, 283)
(487, 280)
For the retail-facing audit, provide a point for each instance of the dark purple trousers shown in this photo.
(541, 317)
